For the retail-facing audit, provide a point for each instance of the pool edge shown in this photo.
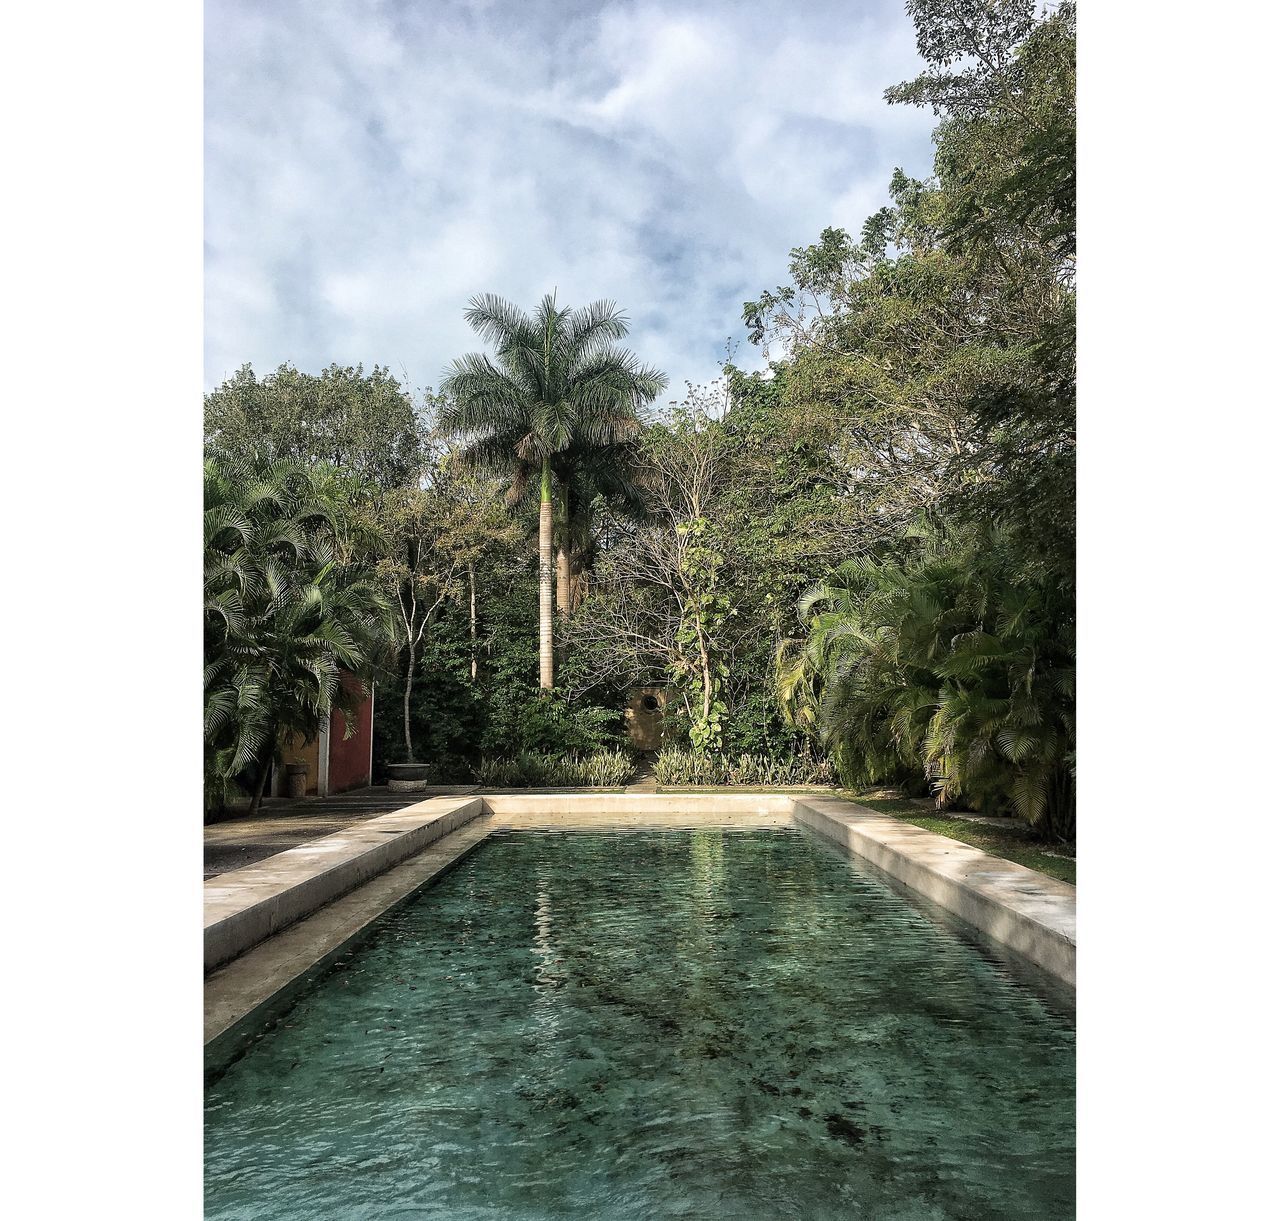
(243, 998)
(1024, 911)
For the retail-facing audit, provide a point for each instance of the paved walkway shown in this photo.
(283, 823)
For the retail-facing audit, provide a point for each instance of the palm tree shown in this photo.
(604, 478)
(952, 663)
(288, 612)
(557, 385)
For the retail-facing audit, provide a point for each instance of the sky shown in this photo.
(370, 165)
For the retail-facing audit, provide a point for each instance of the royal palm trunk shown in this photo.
(564, 581)
(546, 661)
(564, 576)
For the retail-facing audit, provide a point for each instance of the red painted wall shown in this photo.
(349, 760)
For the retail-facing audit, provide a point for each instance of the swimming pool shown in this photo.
(701, 1023)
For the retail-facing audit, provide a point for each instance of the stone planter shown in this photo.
(408, 777)
(296, 779)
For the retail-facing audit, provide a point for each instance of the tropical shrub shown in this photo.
(547, 723)
(538, 769)
(289, 613)
(676, 767)
(953, 661)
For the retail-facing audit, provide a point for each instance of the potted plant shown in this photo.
(408, 777)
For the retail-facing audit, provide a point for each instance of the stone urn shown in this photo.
(296, 777)
(408, 777)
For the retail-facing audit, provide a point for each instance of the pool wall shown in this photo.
(1026, 911)
(248, 905)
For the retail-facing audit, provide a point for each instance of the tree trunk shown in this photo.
(408, 688)
(704, 660)
(563, 604)
(546, 660)
(471, 579)
(264, 767)
(562, 555)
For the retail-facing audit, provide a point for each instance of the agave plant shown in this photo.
(292, 624)
(951, 662)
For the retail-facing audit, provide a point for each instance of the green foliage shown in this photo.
(984, 35)
(931, 364)
(935, 357)
(364, 423)
(559, 382)
(541, 769)
(549, 723)
(700, 669)
(447, 710)
(954, 662)
(436, 534)
(290, 614)
(756, 723)
(676, 767)
(457, 718)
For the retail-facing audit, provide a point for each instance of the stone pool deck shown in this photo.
(241, 840)
(246, 906)
(271, 925)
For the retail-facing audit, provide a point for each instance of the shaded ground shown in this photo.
(1005, 837)
(280, 824)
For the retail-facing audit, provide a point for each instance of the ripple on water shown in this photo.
(641, 1025)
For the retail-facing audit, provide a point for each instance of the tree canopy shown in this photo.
(365, 423)
(860, 557)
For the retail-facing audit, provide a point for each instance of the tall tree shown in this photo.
(365, 423)
(936, 355)
(593, 481)
(435, 534)
(557, 382)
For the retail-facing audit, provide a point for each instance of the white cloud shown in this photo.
(370, 166)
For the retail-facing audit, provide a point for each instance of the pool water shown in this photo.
(712, 1024)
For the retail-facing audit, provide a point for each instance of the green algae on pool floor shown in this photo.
(672, 1024)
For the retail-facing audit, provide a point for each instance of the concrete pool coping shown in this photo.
(244, 996)
(1029, 912)
(270, 926)
(248, 905)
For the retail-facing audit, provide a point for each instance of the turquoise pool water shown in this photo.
(712, 1024)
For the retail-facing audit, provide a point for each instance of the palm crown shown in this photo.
(557, 380)
(556, 394)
